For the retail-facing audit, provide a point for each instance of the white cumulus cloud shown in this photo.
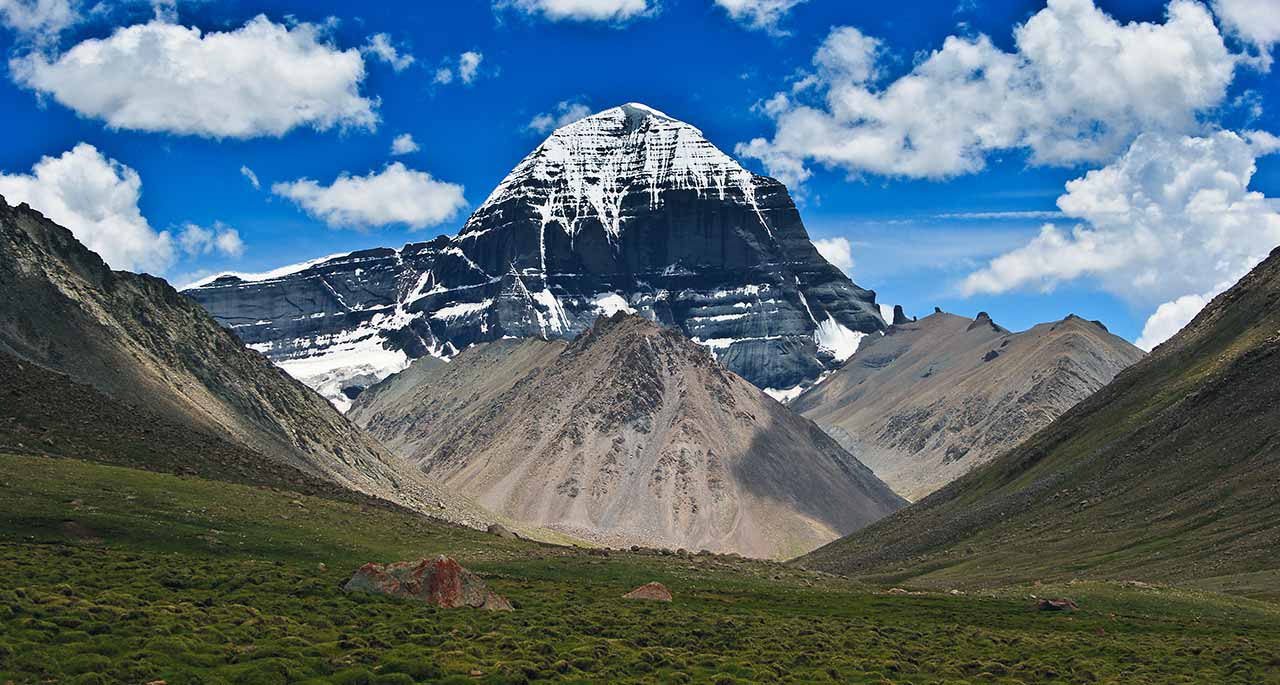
(38, 20)
(837, 251)
(96, 198)
(219, 238)
(1169, 318)
(759, 14)
(564, 113)
(581, 10)
(1172, 217)
(1254, 21)
(404, 144)
(1079, 87)
(395, 195)
(379, 46)
(262, 79)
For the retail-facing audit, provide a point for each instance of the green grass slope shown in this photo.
(1169, 473)
(115, 575)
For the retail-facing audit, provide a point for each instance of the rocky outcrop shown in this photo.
(627, 210)
(441, 582)
(631, 434)
(135, 340)
(1067, 605)
(652, 592)
(934, 398)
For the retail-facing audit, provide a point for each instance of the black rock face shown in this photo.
(626, 210)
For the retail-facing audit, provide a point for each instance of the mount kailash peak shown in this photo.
(625, 210)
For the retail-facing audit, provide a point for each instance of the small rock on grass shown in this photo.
(656, 592)
(1056, 605)
(502, 532)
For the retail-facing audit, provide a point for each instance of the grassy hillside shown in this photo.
(1170, 473)
(109, 574)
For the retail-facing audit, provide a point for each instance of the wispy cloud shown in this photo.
(253, 178)
(380, 47)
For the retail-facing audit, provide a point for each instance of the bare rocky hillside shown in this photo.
(934, 398)
(631, 434)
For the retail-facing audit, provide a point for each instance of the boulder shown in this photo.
(1056, 605)
(502, 532)
(656, 592)
(441, 582)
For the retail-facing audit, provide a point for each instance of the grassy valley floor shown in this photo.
(115, 575)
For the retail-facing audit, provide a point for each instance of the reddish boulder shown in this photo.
(656, 592)
(1056, 605)
(440, 582)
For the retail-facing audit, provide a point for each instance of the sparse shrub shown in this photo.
(418, 669)
(265, 672)
(354, 676)
(86, 663)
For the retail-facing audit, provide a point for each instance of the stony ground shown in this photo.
(109, 575)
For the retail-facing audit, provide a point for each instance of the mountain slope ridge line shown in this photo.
(137, 341)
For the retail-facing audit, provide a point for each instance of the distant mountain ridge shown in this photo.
(1170, 472)
(137, 342)
(626, 210)
(934, 398)
(630, 434)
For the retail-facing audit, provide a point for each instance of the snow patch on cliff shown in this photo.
(609, 304)
(835, 338)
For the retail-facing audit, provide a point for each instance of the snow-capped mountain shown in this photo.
(626, 210)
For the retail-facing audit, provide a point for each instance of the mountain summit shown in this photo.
(626, 210)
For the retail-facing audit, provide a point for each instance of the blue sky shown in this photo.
(917, 231)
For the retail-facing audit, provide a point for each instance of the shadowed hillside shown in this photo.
(161, 360)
